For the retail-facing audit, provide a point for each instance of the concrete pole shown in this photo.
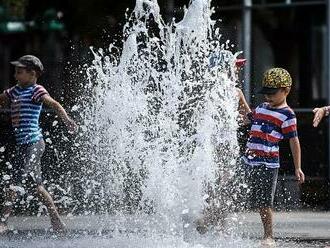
(247, 22)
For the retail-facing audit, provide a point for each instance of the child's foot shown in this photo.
(58, 226)
(268, 242)
(3, 228)
(201, 226)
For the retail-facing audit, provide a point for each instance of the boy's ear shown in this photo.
(35, 73)
(287, 90)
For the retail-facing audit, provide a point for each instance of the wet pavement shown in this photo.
(292, 225)
(292, 229)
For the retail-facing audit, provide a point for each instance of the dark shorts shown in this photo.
(26, 168)
(261, 186)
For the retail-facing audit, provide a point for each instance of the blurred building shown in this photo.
(293, 34)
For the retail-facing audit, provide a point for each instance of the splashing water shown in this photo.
(160, 123)
(158, 146)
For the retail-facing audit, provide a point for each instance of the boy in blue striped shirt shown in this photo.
(25, 100)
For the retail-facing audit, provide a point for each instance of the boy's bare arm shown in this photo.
(4, 101)
(243, 105)
(296, 153)
(60, 111)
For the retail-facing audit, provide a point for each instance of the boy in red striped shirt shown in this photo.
(272, 121)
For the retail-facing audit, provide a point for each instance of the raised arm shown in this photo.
(243, 107)
(296, 153)
(60, 111)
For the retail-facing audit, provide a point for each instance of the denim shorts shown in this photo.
(261, 186)
(26, 167)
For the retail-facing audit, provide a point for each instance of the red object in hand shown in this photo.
(240, 62)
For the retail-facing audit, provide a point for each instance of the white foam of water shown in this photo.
(160, 124)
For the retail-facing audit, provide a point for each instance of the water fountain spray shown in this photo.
(160, 122)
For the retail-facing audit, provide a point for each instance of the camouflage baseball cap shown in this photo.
(30, 62)
(274, 79)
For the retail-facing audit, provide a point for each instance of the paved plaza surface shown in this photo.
(293, 225)
(288, 225)
(294, 229)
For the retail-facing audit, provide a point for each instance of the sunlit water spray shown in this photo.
(158, 146)
(161, 121)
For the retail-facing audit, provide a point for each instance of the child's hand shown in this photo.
(71, 125)
(300, 176)
(319, 113)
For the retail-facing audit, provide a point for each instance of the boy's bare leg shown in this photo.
(46, 199)
(7, 209)
(267, 221)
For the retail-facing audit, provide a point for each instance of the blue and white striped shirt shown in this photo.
(26, 106)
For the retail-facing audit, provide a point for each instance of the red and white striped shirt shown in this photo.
(269, 127)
